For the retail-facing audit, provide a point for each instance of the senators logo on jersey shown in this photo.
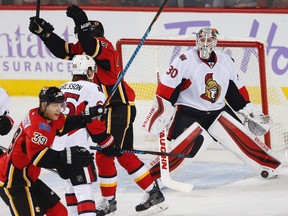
(212, 89)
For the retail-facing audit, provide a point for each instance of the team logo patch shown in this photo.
(44, 126)
(212, 89)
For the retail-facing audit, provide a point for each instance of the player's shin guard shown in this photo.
(246, 146)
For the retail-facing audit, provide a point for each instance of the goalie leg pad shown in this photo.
(246, 146)
(194, 140)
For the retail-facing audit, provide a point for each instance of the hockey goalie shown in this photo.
(202, 87)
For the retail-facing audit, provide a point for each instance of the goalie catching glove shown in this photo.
(40, 27)
(159, 116)
(258, 123)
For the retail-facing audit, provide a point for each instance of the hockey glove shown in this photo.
(159, 116)
(258, 123)
(72, 161)
(94, 112)
(40, 27)
(109, 148)
(6, 124)
(77, 14)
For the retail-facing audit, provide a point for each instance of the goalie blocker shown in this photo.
(245, 145)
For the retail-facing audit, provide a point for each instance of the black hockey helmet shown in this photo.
(51, 95)
(94, 27)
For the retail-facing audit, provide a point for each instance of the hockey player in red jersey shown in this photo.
(203, 87)
(121, 108)
(30, 150)
(80, 193)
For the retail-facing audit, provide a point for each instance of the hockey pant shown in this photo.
(246, 146)
(36, 200)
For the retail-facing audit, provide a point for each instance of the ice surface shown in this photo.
(223, 186)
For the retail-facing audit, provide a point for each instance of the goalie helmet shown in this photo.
(83, 65)
(206, 41)
(51, 95)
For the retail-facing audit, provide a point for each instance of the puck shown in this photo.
(264, 174)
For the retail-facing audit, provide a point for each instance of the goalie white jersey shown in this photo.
(203, 84)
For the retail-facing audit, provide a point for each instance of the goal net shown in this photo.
(155, 57)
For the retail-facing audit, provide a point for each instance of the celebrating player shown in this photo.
(80, 193)
(20, 187)
(203, 86)
(121, 108)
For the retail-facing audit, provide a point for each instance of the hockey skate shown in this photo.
(153, 202)
(106, 207)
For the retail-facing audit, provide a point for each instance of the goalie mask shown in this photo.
(83, 65)
(206, 41)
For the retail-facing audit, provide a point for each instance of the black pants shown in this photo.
(24, 201)
(186, 116)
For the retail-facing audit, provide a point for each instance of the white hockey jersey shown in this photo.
(76, 93)
(4, 101)
(203, 85)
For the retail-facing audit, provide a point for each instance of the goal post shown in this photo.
(156, 55)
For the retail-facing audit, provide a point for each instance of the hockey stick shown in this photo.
(38, 8)
(121, 75)
(51, 170)
(164, 168)
(134, 151)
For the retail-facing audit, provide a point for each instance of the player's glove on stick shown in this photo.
(77, 14)
(258, 123)
(108, 147)
(6, 124)
(40, 27)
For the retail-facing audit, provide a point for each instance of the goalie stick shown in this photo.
(51, 170)
(165, 170)
(121, 75)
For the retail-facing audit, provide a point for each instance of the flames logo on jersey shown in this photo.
(212, 89)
